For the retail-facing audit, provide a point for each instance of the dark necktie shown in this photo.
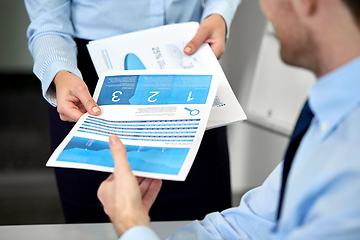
(300, 128)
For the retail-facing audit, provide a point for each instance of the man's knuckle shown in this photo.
(62, 117)
(205, 28)
(82, 88)
(89, 103)
(60, 109)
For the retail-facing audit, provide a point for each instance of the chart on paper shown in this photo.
(159, 115)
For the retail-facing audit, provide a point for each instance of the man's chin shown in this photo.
(289, 58)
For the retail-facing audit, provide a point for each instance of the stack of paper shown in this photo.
(162, 48)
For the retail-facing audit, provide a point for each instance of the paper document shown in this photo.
(160, 116)
(162, 48)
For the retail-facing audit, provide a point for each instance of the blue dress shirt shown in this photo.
(54, 24)
(322, 198)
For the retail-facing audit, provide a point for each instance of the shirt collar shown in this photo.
(335, 95)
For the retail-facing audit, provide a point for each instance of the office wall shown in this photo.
(254, 150)
(14, 55)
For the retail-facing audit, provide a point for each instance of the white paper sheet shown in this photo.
(162, 48)
(160, 116)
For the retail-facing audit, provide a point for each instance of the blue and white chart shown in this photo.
(160, 116)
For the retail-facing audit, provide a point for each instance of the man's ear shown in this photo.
(309, 7)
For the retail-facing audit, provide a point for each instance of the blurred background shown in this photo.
(28, 193)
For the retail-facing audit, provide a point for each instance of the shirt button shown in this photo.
(324, 127)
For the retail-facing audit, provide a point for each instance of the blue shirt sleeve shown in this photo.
(51, 42)
(139, 232)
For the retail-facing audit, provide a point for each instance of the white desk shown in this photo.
(103, 231)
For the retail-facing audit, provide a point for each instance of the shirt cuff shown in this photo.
(48, 87)
(223, 8)
(139, 232)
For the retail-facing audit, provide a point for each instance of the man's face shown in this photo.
(294, 37)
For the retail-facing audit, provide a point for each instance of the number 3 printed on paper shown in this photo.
(116, 96)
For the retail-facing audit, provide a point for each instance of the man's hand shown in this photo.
(126, 199)
(73, 97)
(213, 31)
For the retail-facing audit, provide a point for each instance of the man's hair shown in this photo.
(354, 6)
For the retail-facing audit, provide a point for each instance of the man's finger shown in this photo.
(201, 35)
(152, 192)
(140, 179)
(88, 102)
(118, 152)
(69, 112)
(103, 189)
(218, 49)
(110, 177)
(144, 185)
